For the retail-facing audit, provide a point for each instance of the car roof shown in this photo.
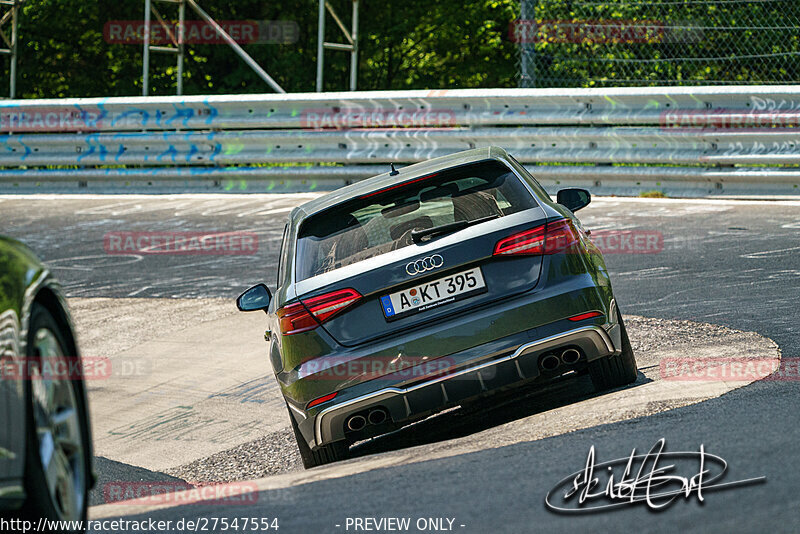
(384, 180)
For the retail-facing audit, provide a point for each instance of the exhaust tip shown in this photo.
(356, 423)
(550, 362)
(376, 417)
(570, 356)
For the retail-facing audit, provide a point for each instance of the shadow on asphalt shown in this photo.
(486, 413)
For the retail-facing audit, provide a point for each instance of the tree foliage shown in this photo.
(403, 45)
(675, 42)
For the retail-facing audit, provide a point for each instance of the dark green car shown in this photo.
(428, 287)
(45, 442)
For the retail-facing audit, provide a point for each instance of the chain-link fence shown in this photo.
(592, 43)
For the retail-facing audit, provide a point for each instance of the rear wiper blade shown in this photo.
(418, 235)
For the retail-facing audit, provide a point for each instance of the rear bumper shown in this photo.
(518, 364)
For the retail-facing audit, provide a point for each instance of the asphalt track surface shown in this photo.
(729, 263)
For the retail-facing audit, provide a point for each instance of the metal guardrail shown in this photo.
(706, 135)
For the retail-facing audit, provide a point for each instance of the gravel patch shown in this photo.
(648, 334)
(272, 454)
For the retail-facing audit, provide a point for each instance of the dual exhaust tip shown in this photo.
(374, 417)
(551, 362)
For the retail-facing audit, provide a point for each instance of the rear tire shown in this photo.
(615, 371)
(332, 452)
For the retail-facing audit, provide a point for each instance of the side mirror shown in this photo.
(574, 199)
(254, 299)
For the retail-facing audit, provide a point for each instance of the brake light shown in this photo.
(403, 184)
(320, 400)
(549, 238)
(310, 313)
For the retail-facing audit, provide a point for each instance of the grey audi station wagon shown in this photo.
(428, 287)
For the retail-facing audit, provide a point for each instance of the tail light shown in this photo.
(310, 313)
(549, 238)
(294, 319)
(326, 306)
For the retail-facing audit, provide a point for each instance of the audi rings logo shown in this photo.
(425, 264)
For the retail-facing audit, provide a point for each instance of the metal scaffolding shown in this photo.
(10, 16)
(351, 45)
(527, 49)
(178, 42)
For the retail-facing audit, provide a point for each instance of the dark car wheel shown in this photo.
(326, 454)
(56, 466)
(615, 371)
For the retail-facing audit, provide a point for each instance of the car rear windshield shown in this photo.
(375, 224)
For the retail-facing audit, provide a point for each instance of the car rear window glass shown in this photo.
(378, 223)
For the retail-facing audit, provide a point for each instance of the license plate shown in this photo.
(433, 294)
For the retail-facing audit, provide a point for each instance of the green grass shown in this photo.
(652, 194)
